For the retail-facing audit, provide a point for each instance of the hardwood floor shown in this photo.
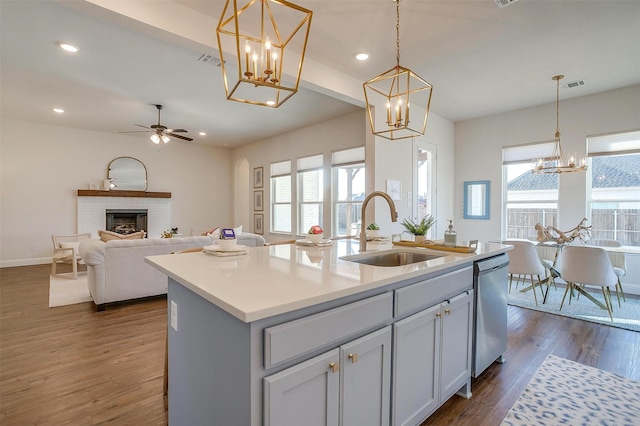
(73, 365)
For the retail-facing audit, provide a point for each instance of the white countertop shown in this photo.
(272, 280)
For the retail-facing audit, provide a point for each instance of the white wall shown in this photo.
(394, 160)
(43, 166)
(479, 143)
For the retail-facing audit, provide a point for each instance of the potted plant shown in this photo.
(373, 230)
(315, 234)
(419, 229)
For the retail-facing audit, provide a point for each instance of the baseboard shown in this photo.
(25, 262)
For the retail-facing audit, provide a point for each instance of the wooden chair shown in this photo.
(588, 266)
(65, 250)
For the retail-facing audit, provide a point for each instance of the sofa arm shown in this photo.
(93, 255)
(92, 252)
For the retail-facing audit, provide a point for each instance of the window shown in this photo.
(614, 187)
(281, 197)
(348, 173)
(529, 198)
(310, 193)
(425, 172)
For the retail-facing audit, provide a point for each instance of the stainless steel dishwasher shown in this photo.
(490, 307)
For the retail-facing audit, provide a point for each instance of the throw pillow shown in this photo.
(108, 235)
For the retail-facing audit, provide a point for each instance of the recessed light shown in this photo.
(362, 56)
(202, 134)
(58, 110)
(68, 47)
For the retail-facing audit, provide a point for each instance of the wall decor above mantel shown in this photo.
(136, 194)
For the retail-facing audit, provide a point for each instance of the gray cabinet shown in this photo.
(432, 358)
(349, 385)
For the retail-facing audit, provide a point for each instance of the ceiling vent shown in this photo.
(504, 3)
(210, 59)
(573, 84)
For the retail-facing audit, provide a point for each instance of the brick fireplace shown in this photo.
(93, 205)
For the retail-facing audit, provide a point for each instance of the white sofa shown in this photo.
(116, 270)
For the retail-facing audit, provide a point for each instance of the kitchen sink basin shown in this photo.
(392, 258)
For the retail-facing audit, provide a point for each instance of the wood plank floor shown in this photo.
(72, 365)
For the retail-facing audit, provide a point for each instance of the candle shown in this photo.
(275, 66)
(389, 113)
(267, 45)
(255, 65)
(247, 50)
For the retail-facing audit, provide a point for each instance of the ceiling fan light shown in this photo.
(155, 138)
(165, 139)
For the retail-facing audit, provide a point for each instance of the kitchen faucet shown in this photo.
(392, 209)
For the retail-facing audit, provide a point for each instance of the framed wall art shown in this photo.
(258, 177)
(258, 220)
(257, 200)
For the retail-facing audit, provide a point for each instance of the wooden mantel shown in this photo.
(120, 193)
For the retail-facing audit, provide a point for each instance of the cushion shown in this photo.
(74, 245)
(108, 236)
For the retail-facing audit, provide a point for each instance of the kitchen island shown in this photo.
(288, 334)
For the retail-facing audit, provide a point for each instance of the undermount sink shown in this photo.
(392, 258)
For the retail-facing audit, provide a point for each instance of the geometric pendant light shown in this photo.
(398, 100)
(268, 39)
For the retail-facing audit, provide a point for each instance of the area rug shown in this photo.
(564, 392)
(65, 291)
(627, 316)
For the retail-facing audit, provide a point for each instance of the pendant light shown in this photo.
(393, 94)
(558, 163)
(267, 37)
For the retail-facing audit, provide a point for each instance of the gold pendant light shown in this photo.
(390, 96)
(558, 163)
(267, 38)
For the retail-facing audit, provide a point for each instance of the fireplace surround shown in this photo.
(92, 207)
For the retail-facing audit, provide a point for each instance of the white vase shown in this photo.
(419, 239)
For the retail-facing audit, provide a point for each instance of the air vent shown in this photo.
(210, 59)
(573, 84)
(504, 3)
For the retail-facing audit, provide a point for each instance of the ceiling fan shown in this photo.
(161, 133)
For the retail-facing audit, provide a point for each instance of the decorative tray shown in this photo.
(218, 251)
(309, 243)
(434, 245)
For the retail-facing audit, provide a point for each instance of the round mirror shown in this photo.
(127, 173)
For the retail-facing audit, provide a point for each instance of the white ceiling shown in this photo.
(481, 59)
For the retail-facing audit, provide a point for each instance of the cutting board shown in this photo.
(473, 246)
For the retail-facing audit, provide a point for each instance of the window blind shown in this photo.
(348, 156)
(527, 153)
(281, 169)
(617, 143)
(310, 163)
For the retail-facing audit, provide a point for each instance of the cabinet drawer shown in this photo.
(289, 340)
(432, 291)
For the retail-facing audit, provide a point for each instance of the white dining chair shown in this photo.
(618, 262)
(65, 250)
(523, 262)
(588, 266)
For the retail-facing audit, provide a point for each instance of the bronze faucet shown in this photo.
(392, 209)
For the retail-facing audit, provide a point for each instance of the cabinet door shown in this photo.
(457, 315)
(416, 365)
(305, 394)
(366, 379)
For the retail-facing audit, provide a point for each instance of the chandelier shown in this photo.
(558, 163)
(267, 37)
(390, 96)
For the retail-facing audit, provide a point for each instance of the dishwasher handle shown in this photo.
(491, 264)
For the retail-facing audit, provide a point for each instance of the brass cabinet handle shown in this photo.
(438, 314)
(335, 367)
(353, 358)
(447, 311)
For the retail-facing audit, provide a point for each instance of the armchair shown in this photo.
(65, 250)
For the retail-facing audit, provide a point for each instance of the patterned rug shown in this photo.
(564, 392)
(67, 291)
(627, 316)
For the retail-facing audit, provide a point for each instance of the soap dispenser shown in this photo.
(450, 236)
